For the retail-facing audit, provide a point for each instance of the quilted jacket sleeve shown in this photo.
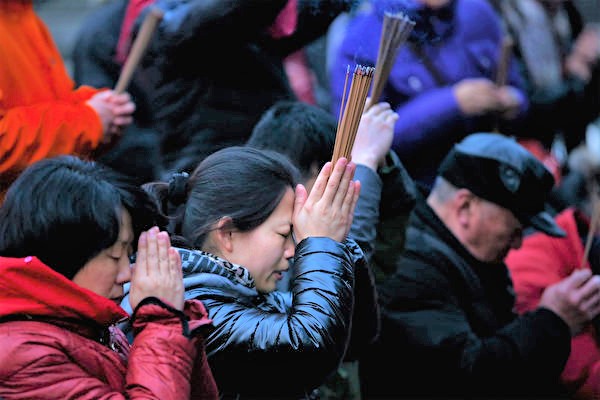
(45, 362)
(166, 346)
(298, 346)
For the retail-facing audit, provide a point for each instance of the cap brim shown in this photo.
(544, 222)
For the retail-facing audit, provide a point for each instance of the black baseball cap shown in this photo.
(498, 169)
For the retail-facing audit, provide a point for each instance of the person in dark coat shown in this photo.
(448, 322)
(306, 134)
(213, 67)
(235, 220)
(97, 63)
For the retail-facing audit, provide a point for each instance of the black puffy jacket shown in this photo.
(212, 69)
(284, 344)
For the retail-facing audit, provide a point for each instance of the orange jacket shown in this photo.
(41, 112)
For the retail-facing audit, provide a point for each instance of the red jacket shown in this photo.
(59, 341)
(540, 262)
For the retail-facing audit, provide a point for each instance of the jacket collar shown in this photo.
(29, 287)
(195, 261)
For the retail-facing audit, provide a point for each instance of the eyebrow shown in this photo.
(127, 240)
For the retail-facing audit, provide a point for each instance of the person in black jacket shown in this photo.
(213, 67)
(236, 216)
(448, 323)
(96, 63)
(306, 134)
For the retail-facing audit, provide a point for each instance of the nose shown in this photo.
(289, 249)
(124, 274)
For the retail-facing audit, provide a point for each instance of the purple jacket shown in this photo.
(466, 44)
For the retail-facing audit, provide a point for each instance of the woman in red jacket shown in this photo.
(67, 229)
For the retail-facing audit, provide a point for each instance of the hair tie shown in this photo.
(177, 193)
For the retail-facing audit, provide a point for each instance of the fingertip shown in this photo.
(163, 236)
(357, 186)
(174, 254)
(341, 162)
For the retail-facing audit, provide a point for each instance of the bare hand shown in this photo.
(374, 136)
(587, 45)
(477, 96)
(329, 209)
(510, 102)
(584, 54)
(576, 299)
(116, 113)
(157, 271)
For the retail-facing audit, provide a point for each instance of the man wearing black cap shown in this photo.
(448, 325)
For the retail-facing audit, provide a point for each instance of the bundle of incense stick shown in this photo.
(351, 110)
(394, 32)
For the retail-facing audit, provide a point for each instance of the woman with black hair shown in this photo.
(67, 230)
(243, 223)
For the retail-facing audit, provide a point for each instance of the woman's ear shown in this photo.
(222, 236)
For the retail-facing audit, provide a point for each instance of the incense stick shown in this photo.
(138, 48)
(352, 111)
(595, 204)
(502, 72)
(394, 32)
(504, 61)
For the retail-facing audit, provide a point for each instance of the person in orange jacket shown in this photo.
(42, 113)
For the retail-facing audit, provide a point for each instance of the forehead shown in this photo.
(126, 228)
(285, 208)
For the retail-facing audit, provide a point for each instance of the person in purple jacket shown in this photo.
(443, 81)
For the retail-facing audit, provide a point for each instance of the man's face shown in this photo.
(494, 231)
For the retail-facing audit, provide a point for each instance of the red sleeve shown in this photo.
(165, 346)
(543, 261)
